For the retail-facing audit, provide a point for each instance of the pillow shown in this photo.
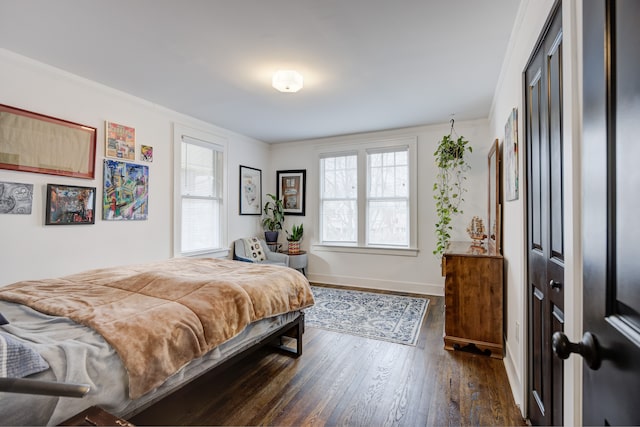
(18, 360)
(253, 249)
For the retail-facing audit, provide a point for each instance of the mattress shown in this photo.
(77, 354)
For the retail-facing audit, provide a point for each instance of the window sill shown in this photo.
(215, 253)
(372, 250)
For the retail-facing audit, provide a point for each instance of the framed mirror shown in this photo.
(494, 215)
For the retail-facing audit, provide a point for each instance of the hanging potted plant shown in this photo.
(273, 219)
(294, 238)
(448, 188)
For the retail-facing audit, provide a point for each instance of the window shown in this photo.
(388, 197)
(368, 195)
(200, 220)
(339, 198)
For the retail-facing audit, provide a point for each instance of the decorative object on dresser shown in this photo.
(449, 187)
(473, 299)
(476, 231)
(273, 218)
(294, 238)
(381, 316)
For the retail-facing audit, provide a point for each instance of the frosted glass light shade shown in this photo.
(287, 81)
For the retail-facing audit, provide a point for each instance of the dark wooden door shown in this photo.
(611, 210)
(545, 287)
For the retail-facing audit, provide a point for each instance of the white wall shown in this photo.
(421, 273)
(31, 250)
(530, 22)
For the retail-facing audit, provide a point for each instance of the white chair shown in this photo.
(241, 253)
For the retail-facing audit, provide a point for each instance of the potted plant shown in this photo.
(273, 219)
(294, 238)
(448, 188)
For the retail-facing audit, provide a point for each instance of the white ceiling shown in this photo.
(367, 64)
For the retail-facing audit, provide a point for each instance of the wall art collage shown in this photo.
(69, 149)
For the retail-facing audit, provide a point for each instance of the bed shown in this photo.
(137, 333)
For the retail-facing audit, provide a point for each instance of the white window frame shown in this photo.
(322, 200)
(406, 199)
(361, 147)
(215, 142)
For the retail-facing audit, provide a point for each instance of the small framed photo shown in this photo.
(292, 190)
(146, 153)
(70, 205)
(120, 141)
(250, 191)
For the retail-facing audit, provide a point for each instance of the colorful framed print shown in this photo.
(32, 142)
(292, 190)
(70, 205)
(250, 191)
(146, 153)
(125, 195)
(120, 141)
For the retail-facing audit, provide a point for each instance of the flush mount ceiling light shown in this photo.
(287, 81)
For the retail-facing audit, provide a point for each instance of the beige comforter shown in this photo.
(161, 315)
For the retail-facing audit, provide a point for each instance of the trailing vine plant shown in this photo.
(449, 188)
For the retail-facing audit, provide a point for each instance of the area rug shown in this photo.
(372, 315)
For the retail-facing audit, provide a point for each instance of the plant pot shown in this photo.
(294, 247)
(271, 237)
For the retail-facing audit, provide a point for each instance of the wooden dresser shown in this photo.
(473, 299)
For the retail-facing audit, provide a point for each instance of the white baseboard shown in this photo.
(515, 380)
(377, 284)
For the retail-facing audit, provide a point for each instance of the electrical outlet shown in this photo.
(517, 331)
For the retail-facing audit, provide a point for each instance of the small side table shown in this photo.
(297, 260)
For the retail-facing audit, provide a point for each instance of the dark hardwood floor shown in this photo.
(343, 380)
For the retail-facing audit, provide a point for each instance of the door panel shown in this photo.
(611, 178)
(545, 234)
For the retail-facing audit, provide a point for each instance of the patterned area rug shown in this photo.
(372, 315)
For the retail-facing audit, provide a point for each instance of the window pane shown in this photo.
(197, 170)
(339, 221)
(339, 178)
(200, 224)
(388, 222)
(388, 175)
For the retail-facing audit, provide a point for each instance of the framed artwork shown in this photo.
(125, 193)
(120, 141)
(70, 205)
(292, 190)
(32, 142)
(16, 198)
(510, 148)
(250, 191)
(146, 153)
